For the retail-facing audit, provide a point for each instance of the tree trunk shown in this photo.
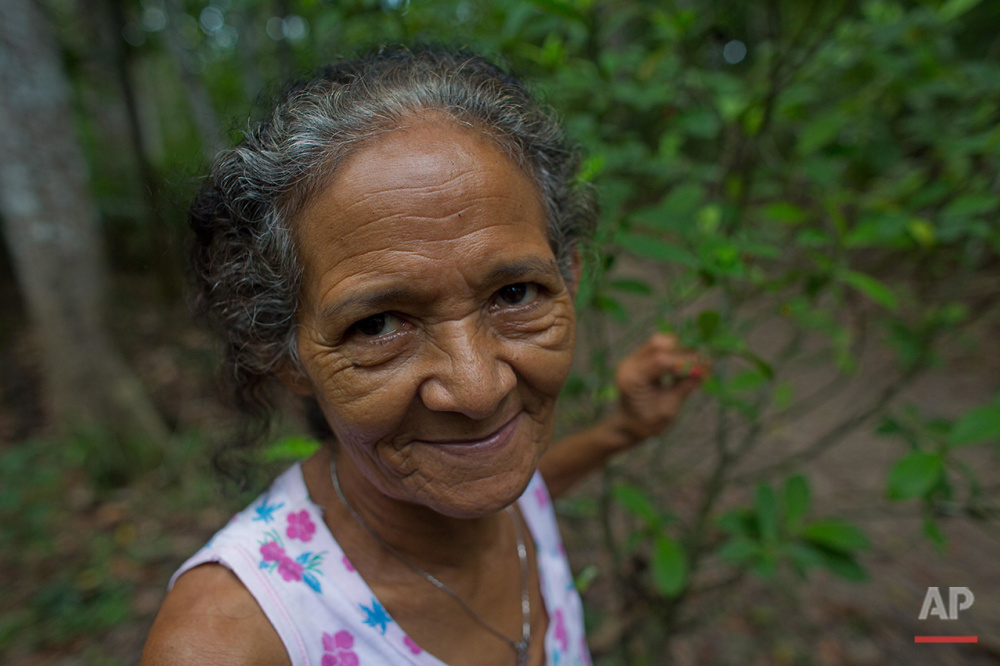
(51, 228)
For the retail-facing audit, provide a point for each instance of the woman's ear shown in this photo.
(294, 378)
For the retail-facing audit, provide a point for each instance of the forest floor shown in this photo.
(92, 532)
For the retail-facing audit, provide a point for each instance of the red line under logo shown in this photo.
(945, 639)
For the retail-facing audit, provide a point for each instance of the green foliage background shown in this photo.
(821, 172)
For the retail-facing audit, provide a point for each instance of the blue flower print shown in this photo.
(376, 617)
(265, 511)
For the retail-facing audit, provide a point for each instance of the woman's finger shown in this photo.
(653, 367)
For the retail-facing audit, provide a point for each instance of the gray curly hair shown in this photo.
(244, 263)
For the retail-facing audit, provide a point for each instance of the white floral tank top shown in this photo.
(326, 615)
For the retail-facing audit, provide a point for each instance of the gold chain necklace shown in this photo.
(520, 647)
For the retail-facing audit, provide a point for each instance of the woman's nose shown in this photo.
(467, 373)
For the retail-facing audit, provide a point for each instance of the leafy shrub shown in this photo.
(784, 187)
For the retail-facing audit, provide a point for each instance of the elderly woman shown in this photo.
(399, 242)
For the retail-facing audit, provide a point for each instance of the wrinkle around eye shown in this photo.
(362, 351)
(545, 323)
(353, 350)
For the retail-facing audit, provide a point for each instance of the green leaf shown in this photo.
(783, 211)
(812, 238)
(971, 204)
(981, 424)
(885, 229)
(910, 345)
(669, 566)
(922, 231)
(763, 367)
(709, 219)
(699, 123)
(766, 565)
(737, 522)
(591, 167)
(753, 120)
(654, 248)
(933, 532)
(739, 550)
(797, 500)
(835, 535)
(783, 395)
(915, 475)
(745, 381)
(708, 324)
(766, 511)
(820, 131)
(611, 306)
(888, 426)
(560, 8)
(953, 314)
(684, 200)
(634, 540)
(845, 566)
(954, 8)
(583, 580)
(804, 556)
(870, 287)
(290, 448)
(635, 500)
(631, 287)
(678, 211)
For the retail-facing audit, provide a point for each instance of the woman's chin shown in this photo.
(481, 497)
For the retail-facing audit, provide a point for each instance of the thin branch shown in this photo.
(841, 430)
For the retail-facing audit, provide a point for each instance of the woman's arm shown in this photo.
(653, 382)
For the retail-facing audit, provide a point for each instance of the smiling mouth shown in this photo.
(496, 439)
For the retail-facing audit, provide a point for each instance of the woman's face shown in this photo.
(435, 329)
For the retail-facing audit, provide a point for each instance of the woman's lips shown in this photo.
(492, 442)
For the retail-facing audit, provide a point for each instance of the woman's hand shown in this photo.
(653, 383)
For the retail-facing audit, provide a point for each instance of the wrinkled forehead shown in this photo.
(426, 183)
(429, 163)
(405, 140)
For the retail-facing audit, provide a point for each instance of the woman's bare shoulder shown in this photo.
(210, 618)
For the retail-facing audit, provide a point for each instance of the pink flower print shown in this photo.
(541, 497)
(412, 644)
(290, 569)
(272, 552)
(338, 649)
(340, 658)
(300, 527)
(562, 637)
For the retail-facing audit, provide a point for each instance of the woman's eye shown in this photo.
(378, 325)
(520, 293)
